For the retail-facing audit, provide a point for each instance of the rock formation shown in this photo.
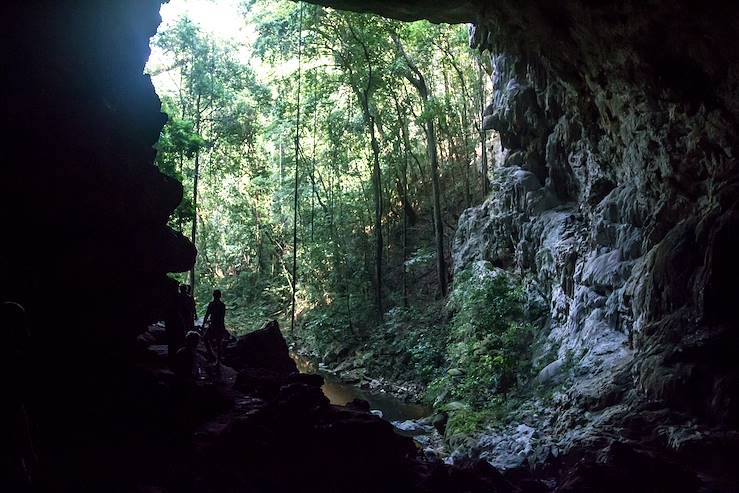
(83, 206)
(616, 203)
(85, 246)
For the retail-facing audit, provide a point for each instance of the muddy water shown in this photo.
(339, 393)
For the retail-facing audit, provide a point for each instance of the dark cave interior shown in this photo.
(646, 93)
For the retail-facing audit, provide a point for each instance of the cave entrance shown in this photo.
(235, 78)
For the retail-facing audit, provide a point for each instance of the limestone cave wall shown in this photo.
(83, 207)
(617, 204)
(618, 193)
(85, 247)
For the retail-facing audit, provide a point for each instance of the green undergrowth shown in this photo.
(250, 302)
(472, 353)
(465, 421)
(489, 351)
(408, 346)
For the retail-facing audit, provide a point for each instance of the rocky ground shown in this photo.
(548, 443)
(615, 203)
(258, 425)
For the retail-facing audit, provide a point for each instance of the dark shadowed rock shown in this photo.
(310, 379)
(621, 468)
(359, 405)
(296, 399)
(264, 348)
(259, 382)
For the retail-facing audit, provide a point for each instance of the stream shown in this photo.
(339, 393)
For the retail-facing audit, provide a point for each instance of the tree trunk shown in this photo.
(313, 169)
(364, 96)
(259, 239)
(410, 216)
(438, 224)
(405, 226)
(464, 125)
(297, 176)
(377, 191)
(196, 177)
(464, 121)
(415, 77)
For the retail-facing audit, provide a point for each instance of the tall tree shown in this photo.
(483, 135)
(387, 163)
(209, 78)
(364, 81)
(297, 171)
(416, 78)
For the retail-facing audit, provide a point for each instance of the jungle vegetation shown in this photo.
(337, 151)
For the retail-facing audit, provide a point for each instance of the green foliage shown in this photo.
(409, 346)
(421, 258)
(489, 352)
(232, 108)
(412, 342)
(467, 422)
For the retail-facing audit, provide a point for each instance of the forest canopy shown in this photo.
(376, 125)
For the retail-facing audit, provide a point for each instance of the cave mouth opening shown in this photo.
(235, 77)
(86, 216)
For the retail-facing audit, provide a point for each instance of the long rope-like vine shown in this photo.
(297, 169)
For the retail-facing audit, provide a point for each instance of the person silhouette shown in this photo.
(174, 326)
(186, 308)
(185, 363)
(215, 317)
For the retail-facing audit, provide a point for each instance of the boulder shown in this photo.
(551, 372)
(359, 405)
(439, 421)
(259, 382)
(297, 399)
(264, 348)
(412, 428)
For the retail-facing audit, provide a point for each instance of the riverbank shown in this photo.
(383, 401)
(400, 356)
(237, 428)
(351, 371)
(410, 419)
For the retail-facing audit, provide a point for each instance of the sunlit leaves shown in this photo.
(242, 95)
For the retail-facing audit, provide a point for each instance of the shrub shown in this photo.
(490, 347)
(467, 422)
(413, 342)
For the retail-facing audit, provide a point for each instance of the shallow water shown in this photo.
(339, 393)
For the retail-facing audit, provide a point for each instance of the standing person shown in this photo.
(174, 325)
(216, 331)
(186, 365)
(186, 308)
(193, 308)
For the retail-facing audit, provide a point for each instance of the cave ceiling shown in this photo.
(411, 10)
